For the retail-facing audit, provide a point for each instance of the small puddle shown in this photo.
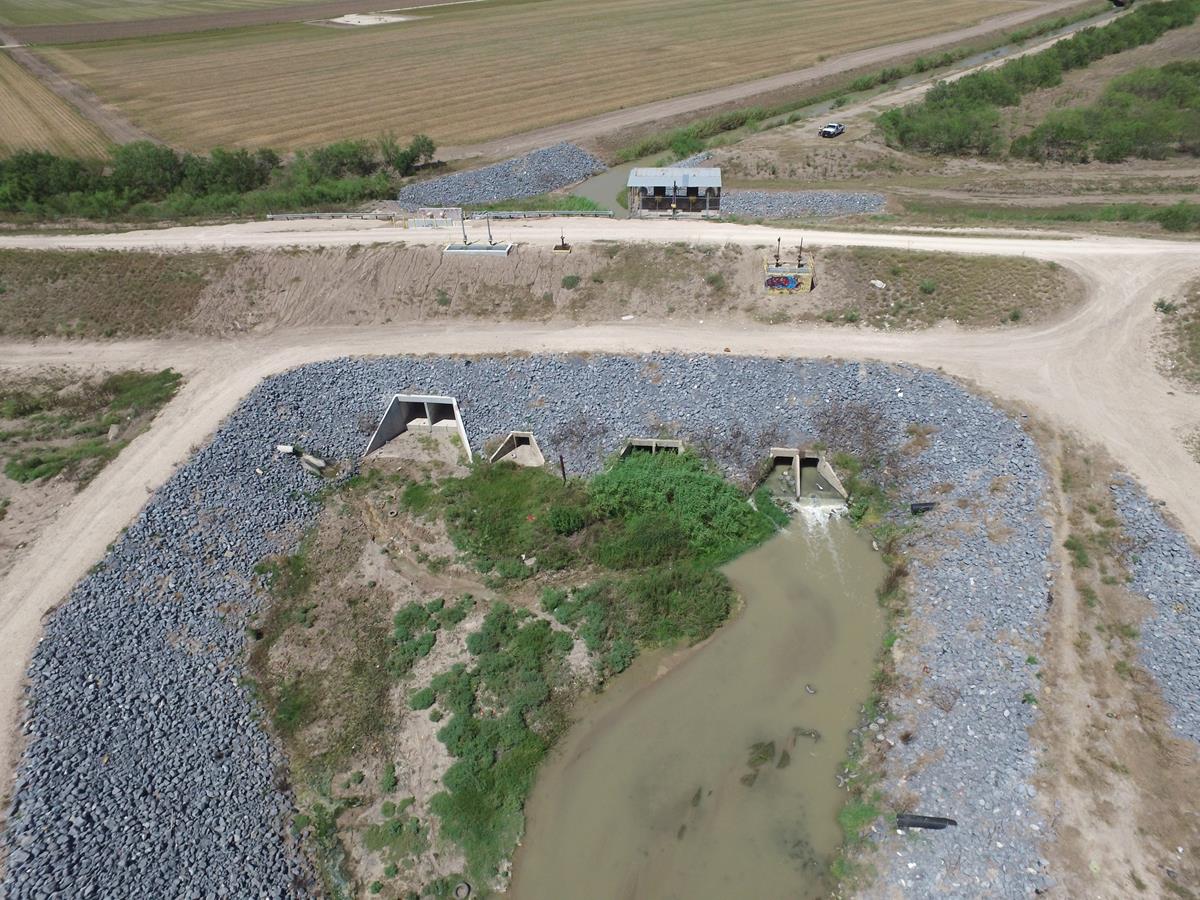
(711, 772)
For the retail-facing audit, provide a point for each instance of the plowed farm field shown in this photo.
(45, 12)
(470, 73)
(34, 118)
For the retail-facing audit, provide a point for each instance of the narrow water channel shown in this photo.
(711, 773)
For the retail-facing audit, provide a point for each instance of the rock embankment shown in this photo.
(800, 204)
(147, 772)
(534, 173)
(1166, 571)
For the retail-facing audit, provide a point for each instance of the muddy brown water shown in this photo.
(712, 772)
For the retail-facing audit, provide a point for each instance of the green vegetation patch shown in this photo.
(56, 426)
(1178, 217)
(962, 117)
(1149, 113)
(144, 180)
(542, 203)
(497, 745)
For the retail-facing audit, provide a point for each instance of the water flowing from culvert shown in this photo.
(711, 773)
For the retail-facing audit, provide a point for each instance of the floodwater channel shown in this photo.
(711, 772)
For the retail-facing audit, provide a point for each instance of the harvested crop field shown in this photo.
(35, 118)
(474, 72)
(48, 12)
(78, 21)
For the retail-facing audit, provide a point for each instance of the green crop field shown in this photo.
(473, 72)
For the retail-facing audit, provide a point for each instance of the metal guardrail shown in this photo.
(288, 217)
(400, 216)
(543, 214)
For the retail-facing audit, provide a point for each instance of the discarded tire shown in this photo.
(936, 823)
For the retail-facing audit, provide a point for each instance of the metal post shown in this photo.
(562, 465)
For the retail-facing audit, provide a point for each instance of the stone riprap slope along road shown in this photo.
(147, 773)
(1166, 571)
(534, 173)
(800, 204)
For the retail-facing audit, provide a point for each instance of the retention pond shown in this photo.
(712, 772)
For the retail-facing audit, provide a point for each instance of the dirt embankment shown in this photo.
(106, 294)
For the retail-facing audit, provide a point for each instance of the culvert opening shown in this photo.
(803, 477)
(521, 448)
(651, 445)
(421, 413)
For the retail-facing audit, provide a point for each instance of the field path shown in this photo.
(111, 122)
(1092, 373)
(674, 107)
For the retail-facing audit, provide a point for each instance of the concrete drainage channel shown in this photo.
(146, 771)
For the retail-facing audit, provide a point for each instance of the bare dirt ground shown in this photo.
(122, 294)
(1115, 782)
(1091, 372)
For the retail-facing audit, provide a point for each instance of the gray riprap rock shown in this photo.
(1165, 570)
(800, 204)
(534, 173)
(147, 774)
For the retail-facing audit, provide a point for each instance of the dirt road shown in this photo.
(1092, 373)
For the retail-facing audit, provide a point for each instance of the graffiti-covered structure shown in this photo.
(674, 192)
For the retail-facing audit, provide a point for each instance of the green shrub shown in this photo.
(928, 286)
(570, 282)
(962, 117)
(713, 515)
(150, 181)
(423, 699)
(567, 520)
(387, 783)
(642, 540)
(621, 655)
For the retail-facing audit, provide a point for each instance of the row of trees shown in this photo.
(1147, 114)
(962, 117)
(147, 180)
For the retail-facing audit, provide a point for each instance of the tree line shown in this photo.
(962, 117)
(143, 180)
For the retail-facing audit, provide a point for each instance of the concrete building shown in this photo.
(674, 191)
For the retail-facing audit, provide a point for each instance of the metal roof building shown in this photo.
(674, 191)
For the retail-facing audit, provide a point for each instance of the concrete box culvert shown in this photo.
(520, 448)
(418, 413)
(651, 445)
(821, 476)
